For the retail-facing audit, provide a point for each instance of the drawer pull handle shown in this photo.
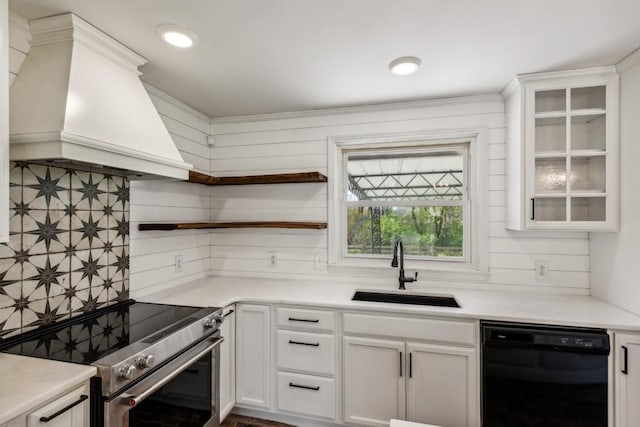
(306, 387)
(228, 313)
(625, 360)
(312, 344)
(82, 398)
(295, 319)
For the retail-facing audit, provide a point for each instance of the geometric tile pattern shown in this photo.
(68, 252)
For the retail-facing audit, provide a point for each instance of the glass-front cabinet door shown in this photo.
(571, 154)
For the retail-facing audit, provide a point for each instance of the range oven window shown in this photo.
(185, 400)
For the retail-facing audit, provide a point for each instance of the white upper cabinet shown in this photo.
(562, 150)
(4, 121)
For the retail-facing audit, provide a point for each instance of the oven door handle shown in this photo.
(134, 397)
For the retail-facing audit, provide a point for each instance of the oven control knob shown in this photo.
(127, 372)
(144, 361)
(209, 323)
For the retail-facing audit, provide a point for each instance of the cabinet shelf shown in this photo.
(571, 113)
(279, 178)
(572, 153)
(246, 224)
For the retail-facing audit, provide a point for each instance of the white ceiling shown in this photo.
(266, 56)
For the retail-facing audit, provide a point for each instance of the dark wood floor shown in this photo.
(240, 421)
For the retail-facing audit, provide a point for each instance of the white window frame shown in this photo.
(474, 266)
(4, 121)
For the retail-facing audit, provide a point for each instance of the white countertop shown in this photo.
(28, 382)
(552, 309)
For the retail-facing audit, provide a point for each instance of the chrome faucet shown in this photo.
(394, 263)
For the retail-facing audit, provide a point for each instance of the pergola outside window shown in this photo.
(414, 193)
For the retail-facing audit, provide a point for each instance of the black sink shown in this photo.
(415, 299)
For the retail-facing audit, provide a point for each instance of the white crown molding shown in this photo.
(69, 27)
(359, 109)
(604, 70)
(510, 87)
(629, 61)
(176, 103)
(21, 23)
(532, 77)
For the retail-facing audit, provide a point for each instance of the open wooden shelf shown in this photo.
(279, 178)
(248, 224)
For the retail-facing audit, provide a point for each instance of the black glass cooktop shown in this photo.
(91, 337)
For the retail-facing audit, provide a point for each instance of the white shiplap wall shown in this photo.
(298, 142)
(153, 253)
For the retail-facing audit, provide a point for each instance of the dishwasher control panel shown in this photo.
(558, 338)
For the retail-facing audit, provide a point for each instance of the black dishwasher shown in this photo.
(541, 376)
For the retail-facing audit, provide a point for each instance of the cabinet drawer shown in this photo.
(305, 351)
(69, 410)
(445, 331)
(306, 395)
(306, 319)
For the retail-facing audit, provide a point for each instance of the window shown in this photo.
(423, 188)
(416, 194)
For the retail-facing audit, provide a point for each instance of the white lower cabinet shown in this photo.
(627, 379)
(361, 369)
(421, 382)
(253, 356)
(442, 385)
(68, 410)
(373, 380)
(228, 363)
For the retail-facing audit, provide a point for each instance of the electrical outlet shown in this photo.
(318, 262)
(178, 263)
(542, 269)
(272, 259)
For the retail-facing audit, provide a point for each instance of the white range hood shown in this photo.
(78, 98)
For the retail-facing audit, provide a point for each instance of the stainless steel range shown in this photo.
(157, 364)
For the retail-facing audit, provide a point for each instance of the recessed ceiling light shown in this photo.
(177, 36)
(405, 65)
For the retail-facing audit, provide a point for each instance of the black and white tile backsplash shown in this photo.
(68, 252)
